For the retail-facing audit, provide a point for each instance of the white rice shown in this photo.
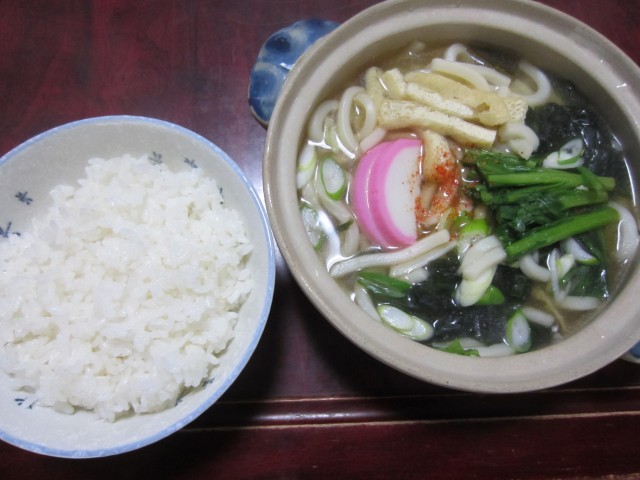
(126, 293)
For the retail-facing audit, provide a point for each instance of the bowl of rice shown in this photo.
(407, 165)
(136, 277)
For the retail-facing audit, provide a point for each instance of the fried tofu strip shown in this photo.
(394, 83)
(435, 101)
(491, 109)
(374, 86)
(396, 114)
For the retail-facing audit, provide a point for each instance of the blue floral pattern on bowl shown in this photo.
(59, 156)
(7, 228)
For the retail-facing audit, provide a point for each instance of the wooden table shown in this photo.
(309, 404)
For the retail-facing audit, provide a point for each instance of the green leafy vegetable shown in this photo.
(383, 285)
(545, 236)
(534, 206)
(555, 124)
(588, 279)
(505, 169)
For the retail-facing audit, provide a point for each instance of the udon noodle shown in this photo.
(458, 198)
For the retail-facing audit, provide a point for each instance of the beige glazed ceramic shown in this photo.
(545, 37)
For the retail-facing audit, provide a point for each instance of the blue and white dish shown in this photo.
(276, 58)
(633, 355)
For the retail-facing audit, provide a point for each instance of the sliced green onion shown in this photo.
(571, 151)
(471, 232)
(518, 334)
(570, 162)
(456, 347)
(420, 332)
(396, 318)
(478, 227)
(573, 247)
(311, 223)
(568, 156)
(334, 178)
(306, 165)
(406, 324)
(492, 296)
(470, 291)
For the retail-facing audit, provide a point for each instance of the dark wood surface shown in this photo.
(309, 404)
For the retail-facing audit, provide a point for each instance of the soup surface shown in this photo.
(467, 199)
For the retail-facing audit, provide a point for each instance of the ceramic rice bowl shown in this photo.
(59, 156)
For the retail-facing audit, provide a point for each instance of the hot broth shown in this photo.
(467, 199)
